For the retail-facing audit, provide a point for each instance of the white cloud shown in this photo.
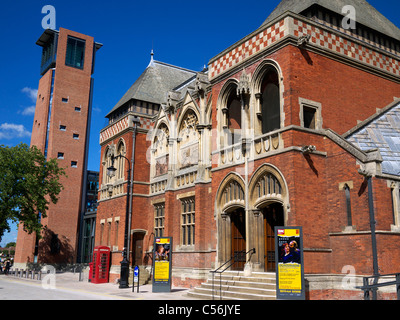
(31, 93)
(28, 111)
(11, 131)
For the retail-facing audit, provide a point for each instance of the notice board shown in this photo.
(162, 264)
(290, 263)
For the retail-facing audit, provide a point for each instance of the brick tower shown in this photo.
(61, 130)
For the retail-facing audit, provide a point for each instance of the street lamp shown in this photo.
(124, 275)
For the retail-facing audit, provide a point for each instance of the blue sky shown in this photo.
(183, 33)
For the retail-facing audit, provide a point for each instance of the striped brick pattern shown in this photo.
(320, 37)
(338, 44)
(250, 47)
(114, 129)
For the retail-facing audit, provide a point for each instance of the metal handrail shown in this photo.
(252, 251)
(367, 287)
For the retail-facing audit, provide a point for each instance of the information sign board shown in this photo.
(162, 264)
(289, 263)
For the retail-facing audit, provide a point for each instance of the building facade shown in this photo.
(61, 130)
(293, 125)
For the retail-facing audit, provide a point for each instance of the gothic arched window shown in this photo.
(234, 118)
(270, 103)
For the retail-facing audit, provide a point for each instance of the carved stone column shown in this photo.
(244, 92)
(258, 239)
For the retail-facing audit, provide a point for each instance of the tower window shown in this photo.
(63, 128)
(75, 53)
(309, 115)
(74, 164)
(60, 155)
(75, 136)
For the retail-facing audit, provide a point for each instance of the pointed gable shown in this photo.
(154, 83)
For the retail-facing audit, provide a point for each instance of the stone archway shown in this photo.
(230, 209)
(269, 200)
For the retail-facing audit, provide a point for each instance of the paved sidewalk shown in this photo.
(70, 282)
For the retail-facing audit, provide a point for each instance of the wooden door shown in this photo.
(238, 220)
(137, 249)
(273, 217)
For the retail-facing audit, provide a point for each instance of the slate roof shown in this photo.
(365, 13)
(155, 82)
(381, 131)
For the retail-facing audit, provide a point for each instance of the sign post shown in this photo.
(289, 263)
(162, 264)
(136, 273)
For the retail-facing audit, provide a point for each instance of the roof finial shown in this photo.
(152, 58)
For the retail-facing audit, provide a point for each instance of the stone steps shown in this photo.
(144, 276)
(233, 285)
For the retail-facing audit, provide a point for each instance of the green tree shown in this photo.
(28, 183)
(10, 244)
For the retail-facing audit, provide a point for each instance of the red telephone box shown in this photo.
(100, 267)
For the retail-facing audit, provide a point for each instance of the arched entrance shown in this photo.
(137, 247)
(269, 200)
(273, 216)
(238, 231)
(242, 227)
(230, 206)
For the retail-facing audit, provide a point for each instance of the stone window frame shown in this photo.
(230, 86)
(256, 83)
(188, 222)
(317, 106)
(346, 187)
(159, 219)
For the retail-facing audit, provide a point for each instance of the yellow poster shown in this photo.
(290, 269)
(290, 276)
(161, 271)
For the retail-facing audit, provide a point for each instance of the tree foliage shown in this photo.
(28, 184)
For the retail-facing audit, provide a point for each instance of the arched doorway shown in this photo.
(238, 232)
(273, 216)
(269, 199)
(137, 247)
(230, 210)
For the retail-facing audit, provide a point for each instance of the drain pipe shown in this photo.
(373, 226)
(368, 176)
(135, 121)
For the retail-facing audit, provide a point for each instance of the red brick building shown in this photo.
(61, 130)
(295, 125)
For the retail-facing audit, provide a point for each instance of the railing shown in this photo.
(239, 253)
(373, 287)
(28, 274)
